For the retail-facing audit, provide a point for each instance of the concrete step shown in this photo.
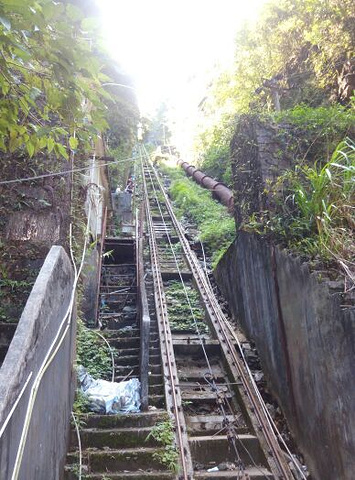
(254, 473)
(135, 351)
(218, 449)
(133, 420)
(113, 438)
(201, 396)
(195, 374)
(123, 370)
(157, 401)
(137, 475)
(155, 379)
(156, 389)
(211, 424)
(118, 461)
(126, 360)
(124, 342)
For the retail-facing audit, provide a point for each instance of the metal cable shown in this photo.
(213, 303)
(215, 387)
(160, 296)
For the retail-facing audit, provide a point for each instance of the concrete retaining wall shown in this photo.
(46, 444)
(306, 345)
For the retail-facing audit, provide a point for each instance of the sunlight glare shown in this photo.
(172, 48)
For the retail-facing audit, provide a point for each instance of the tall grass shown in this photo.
(216, 227)
(319, 212)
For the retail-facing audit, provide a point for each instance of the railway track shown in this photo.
(222, 429)
(194, 378)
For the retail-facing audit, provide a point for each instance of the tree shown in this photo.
(50, 77)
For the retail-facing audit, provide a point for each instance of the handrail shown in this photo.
(143, 312)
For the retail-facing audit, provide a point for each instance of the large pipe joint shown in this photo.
(209, 182)
(190, 170)
(198, 176)
(185, 165)
(219, 190)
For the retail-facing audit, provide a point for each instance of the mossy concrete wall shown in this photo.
(306, 345)
(45, 448)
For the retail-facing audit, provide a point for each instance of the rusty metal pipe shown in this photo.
(190, 170)
(219, 190)
(198, 176)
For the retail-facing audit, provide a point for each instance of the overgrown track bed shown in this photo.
(222, 428)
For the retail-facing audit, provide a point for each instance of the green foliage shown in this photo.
(81, 405)
(300, 46)
(314, 133)
(48, 69)
(302, 42)
(182, 311)
(93, 353)
(122, 118)
(163, 432)
(216, 226)
(316, 209)
(214, 145)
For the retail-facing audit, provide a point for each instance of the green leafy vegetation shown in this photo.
(93, 353)
(289, 71)
(216, 227)
(182, 311)
(313, 133)
(316, 210)
(81, 406)
(163, 433)
(48, 68)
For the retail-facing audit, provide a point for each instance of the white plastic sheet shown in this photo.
(110, 397)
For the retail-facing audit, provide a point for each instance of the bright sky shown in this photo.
(172, 48)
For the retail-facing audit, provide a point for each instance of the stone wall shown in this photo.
(258, 157)
(46, 444)
(306, 345)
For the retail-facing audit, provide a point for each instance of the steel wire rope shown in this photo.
(160, 296)
(214, 387)
(183, 283)
(64, 172)
(79, 445)
(214, 304)
(266, 411)
(270, 421)
(220, 314)
(210, 294)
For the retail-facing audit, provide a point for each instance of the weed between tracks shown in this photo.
(183, 313)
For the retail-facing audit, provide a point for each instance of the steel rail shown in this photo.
(221, 401)
(218, 318)
(173, 395)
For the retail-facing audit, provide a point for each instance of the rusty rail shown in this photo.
(172, 393)
(219, 322)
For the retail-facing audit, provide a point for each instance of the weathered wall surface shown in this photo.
(90, 278)
(306, 345)
(258, 157)
(46, 444)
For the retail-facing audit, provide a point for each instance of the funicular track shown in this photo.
(222, 428)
